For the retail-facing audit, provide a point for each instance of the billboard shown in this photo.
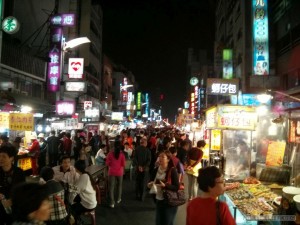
(227, 64)
(260, 37)
(217, 86)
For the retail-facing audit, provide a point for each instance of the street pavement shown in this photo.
(131, 211)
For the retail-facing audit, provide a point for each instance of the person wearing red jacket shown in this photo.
(34, 151)
(206, 209)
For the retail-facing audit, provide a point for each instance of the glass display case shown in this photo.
(235, 212)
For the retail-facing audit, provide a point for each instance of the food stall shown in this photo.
(255, 162)
(230, 131)
(19, 122)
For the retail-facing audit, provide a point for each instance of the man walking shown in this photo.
(141, 161)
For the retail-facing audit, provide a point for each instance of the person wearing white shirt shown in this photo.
(101, 155)
(85, 200)
(65, 172)
(128, 150)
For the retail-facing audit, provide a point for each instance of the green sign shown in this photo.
(10, 25)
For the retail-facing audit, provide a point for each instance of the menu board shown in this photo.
(275, 153)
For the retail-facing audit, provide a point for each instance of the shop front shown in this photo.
(19, 125)
(255, 160)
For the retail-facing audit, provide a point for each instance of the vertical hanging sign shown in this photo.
(54, 64)
(260, 37)
(227, 64)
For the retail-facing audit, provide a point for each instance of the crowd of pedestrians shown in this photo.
(153, 156)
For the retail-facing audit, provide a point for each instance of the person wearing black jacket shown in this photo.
(10, 176)
(165, 214)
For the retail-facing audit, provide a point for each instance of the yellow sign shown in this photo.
(21, 121)
(275, 153)
(4, 120)
(206, 151)
(237, 117)
(24, 164)
(215, 139)
(211, 115)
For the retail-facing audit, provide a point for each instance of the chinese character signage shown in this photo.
(146, 104)
(215, 140)
(201, 99)
(211, 117)
(227, 64)
(217, 86)
(77, 86)
(66, 20)
(21, 121)
(4, 120)
(138, 101)
(25, 163)
(10, 25)
(236, 117)
(246, 99)
(75, 69)
(54, 64)
(275, 153)
(260, 37)
(65, 108)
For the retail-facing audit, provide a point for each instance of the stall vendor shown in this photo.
(34, 151)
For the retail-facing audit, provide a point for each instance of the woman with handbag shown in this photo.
(164, 178)
(200, 210)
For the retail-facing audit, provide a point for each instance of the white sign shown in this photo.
(87, 105)
(75, 86)
(76, 68)
(91, 113)
(217, 86)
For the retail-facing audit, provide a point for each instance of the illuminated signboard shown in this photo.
(63, 20)
(10, 25)
(236, 117)
(246, 99)
(75, 86)
(21, 121)
(75, 69)
(91, 113)
(138, 101)
(146, 104)
(192, 103)
(260, 37)
(53, 73)
(196, 89)
(211, 117)
(217, 86)
(117, 116)
(65, 108)
(201, 98)
(227, 64)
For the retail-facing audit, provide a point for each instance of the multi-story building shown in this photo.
(30, 46)
(234, 30)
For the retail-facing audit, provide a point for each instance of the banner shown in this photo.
(4, 120)
(21, 121)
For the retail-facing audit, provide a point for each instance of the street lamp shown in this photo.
(75, 42)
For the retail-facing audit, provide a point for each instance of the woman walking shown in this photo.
(165, 213)
(115, 161)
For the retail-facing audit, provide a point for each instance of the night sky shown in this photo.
(151, 38)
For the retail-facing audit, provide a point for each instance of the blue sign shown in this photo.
(260, 37)
(246, 100)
